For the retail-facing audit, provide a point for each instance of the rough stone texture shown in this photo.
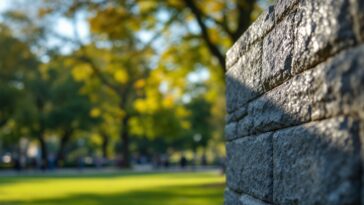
(295, 102)
(359, 15)
(357, 8)
(231, 131)
(277, 54)
(317, 163)
(230, 198)
(236, 115)
(248, 200)
(256, 31)
(322, 29)
(243, 79)
(283, 7)
(361, 134)
(249, 166)
(328, 90)
(232, 88)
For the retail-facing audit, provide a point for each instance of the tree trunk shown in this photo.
(44, 152)
(124, 135)
(105, 145)
(61, 155)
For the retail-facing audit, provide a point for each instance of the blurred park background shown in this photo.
(115, 101)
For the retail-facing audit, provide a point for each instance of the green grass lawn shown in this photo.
(204, 188)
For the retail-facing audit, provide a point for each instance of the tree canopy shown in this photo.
(139, 72)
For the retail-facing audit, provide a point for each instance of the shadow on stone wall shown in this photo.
(300, 142)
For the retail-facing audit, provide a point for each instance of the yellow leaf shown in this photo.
(133, 24)
(95, 112)
(96, 139)
(139, 105)
(139, 84)
(81, 72)
(214, 35)
(176, 3)
(146, 6)
(185, 125)
(168, 102)
(121, 76)
(181, 112)
(135, 125)
(217, 6)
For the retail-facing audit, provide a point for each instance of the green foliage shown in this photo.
(127, 83)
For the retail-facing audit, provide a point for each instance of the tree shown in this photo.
(185, 36)
(15, 62)
(113, 69)
(220, 22)
(70, 111)
(200, 119)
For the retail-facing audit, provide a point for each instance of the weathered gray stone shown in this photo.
(232, 87)
(230, 198)
(249, 166)
(260, 27)
(343, 91)
(245, 126)
(287, 105)
(295, 98)
(277, 54)
(362, 158)
(234, 53)
(248, 200)
(283, 7)
(243, 80)
(357, 8)
(255, 32)
(317, 163)
(322, 29)
(330, 89)
(231, 131)
(236, 115)
(360, 22)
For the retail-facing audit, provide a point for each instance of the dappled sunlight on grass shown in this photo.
(166, 188)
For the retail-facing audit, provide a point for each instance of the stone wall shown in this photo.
(295, 102)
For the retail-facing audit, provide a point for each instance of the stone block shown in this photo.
(357, 8)
(342, 92)
(249, 166)
(317, 163)
(230, 198)
(248, 200)
(254, 33)
(236, 115)
(245, 126)
(277, 54)
(362, 158)
(283, 7)
(287, 105)
(243, 80)
(330, 89)
(232, 87)
(322, 29)
(230, 131)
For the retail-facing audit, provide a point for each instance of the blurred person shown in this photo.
(17, 164)
(183, 161)
(204, 159)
